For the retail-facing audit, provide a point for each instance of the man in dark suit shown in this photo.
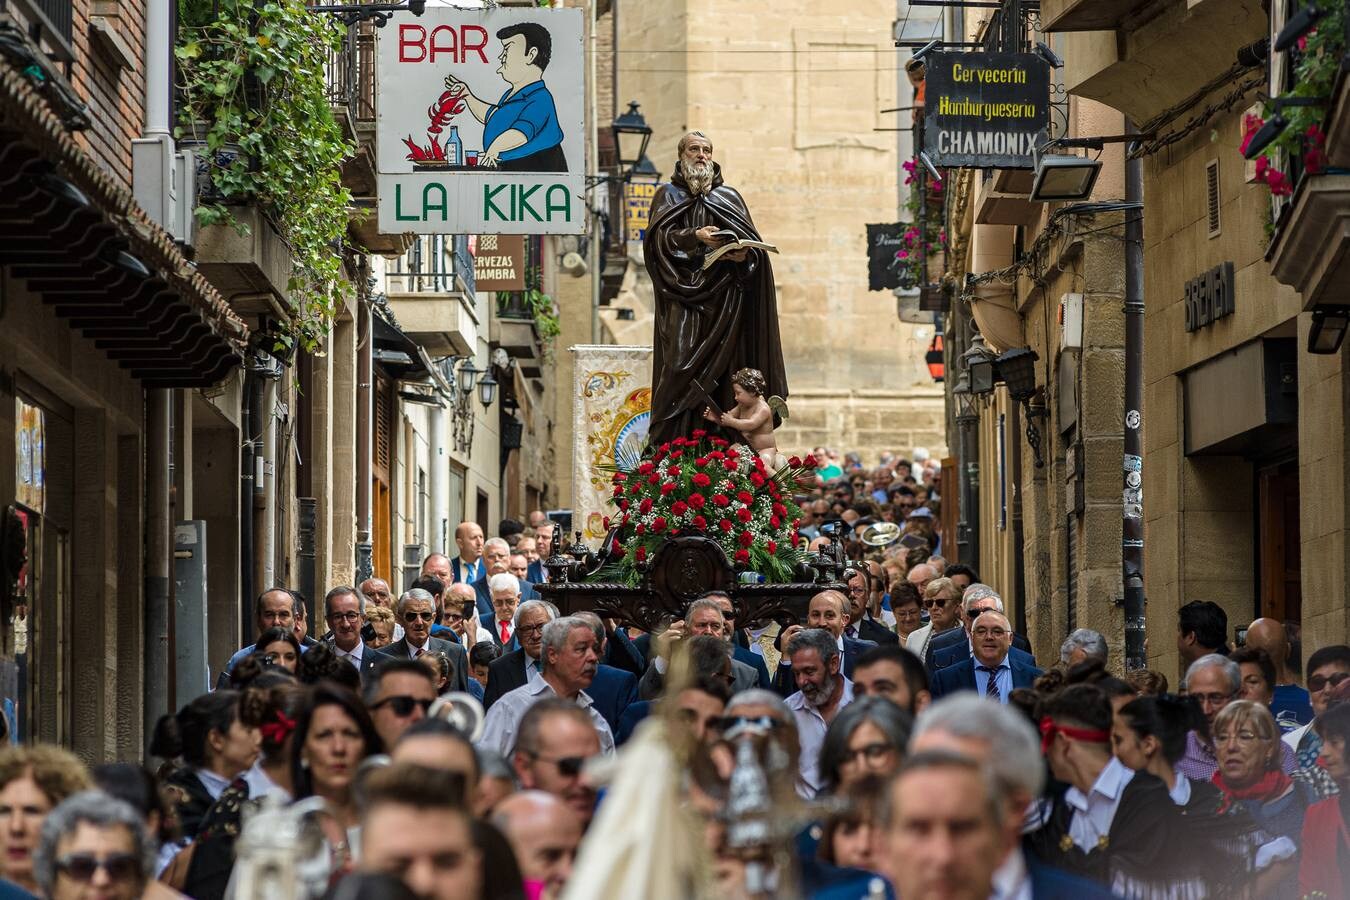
(342, 611)
(954, 645)
(703, 618)
(504, 590)
(468, 565)
(513, 670)
(827, 610)
(497, 558)
(740, 653)
(992, 671)
(863, 596)
(416, 611)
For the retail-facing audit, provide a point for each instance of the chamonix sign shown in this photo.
(985, 110)
(480, 122)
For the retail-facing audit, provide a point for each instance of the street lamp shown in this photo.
(631, 135)
(1018, 368)
(487, 390)
(645, 172)
(979, 362)
(967, 412)
(467, 374)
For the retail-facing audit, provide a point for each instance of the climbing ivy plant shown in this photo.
(251, 82)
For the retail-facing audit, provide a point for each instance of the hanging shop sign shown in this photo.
(985, 110)
(479, 123)
(637, 197)
(499, 262)
(30, 446)
(1209, 297)
(883, 263)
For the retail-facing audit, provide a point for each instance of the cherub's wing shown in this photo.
(779, 405)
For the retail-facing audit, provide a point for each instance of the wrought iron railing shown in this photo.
(350, 72)
(436, 263)
(52, 19)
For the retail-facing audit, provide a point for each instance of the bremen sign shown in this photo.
(479, 124)
(985, 110)
(1209, 297)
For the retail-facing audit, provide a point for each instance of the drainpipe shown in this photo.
(268, 538)
(1014, 445)
(157, 558)
(1132, 514)
(364, 422)
(247, 589)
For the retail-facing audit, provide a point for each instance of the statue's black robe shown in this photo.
(708, 324)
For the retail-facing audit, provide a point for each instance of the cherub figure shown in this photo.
(753, 415)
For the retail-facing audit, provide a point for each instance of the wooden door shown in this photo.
(1279, 551)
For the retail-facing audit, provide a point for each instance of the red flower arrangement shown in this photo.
(753, 506)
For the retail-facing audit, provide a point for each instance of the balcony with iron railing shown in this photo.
(48, 23)
(431, 290)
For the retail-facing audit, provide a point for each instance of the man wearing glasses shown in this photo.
(398, 694)
(416, 611)
(343, 606)
(1214, 681)
(274, 608)
(522, 666)
(571, 655)
(459, 614)
(992, 671)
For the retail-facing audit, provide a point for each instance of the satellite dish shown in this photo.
(881, 534)
(573, 263)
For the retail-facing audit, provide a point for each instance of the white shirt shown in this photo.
(1181, 791)
(1011, 880)
(917, 642)
(1293, 737)
(811, 728)
(502, 724)
(1093, 813)
(214, 784)
(354, 657)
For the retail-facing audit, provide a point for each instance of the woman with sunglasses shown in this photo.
(94, 846)
(942, 599)
(333, 734)
(33, 780)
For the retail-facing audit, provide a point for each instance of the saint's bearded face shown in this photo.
(696, 164)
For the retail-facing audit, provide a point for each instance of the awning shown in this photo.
(81, 242)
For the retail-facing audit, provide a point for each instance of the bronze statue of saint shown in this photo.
(709, 322)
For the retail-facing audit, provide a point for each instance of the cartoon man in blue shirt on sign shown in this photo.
(520, 131)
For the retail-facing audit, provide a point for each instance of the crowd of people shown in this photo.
(902, 741)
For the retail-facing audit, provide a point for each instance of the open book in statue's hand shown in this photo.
(732, 243)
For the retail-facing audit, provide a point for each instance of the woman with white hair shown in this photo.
(93, 846)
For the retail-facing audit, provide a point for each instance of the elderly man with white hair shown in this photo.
(1214, 681)
(416, 611)
(496, 560)
(570, 655)
(954, 647)
(1081, 645)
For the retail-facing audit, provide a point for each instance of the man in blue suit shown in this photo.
(612, 690)
(827, 610)
(992, 671)
(954, 646)
(497, 558)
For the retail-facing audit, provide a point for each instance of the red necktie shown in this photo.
(506, 632)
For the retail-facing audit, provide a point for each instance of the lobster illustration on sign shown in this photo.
(447, 106)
